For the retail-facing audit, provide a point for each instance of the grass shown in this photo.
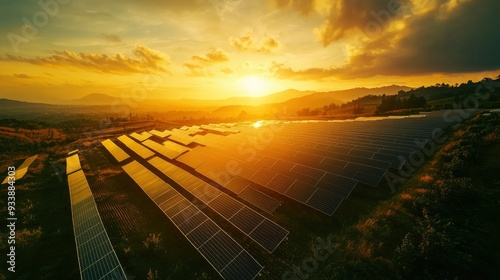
(437, 225)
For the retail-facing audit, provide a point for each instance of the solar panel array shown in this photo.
(96, 257)
(317, 163)
(115, 151)
(260, 229)
(22, 169)
(136, 147)
(216, 170)
(212, 160)
(225, 255)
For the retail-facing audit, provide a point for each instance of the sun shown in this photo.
(254, 85)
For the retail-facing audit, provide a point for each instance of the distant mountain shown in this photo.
(314, 100)
(11, 105)
(93, 99)
(278, 97)
(292, 100)
(351, 94)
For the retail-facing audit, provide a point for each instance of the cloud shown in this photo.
(281, 71)
(347, 16)
(249, 42)
(417, 38)
(213, 56)
(147, 61)
(196, 70)
(200, 65)
(227, 70)
(303, 6)
(23, 76)
(112, 38)
(438, 41)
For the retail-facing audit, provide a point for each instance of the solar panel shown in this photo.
(22, 169)
(73, 164)
(223, 204)
(259, 199)
(160, 134)
(325, 201)
(96, 257)
(176, 147)
(115, 151)
(214, 244)
(211, 249)
(181, 137)
(161, 149)
(136, 147)
(141, 137)
(300, 191)
(245, 220)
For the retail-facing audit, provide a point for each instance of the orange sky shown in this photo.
(222, 48)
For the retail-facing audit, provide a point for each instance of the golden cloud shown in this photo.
(405, 37)
(200, 64)
(213, 56)
(251, 43)
(23, 76)
(112, 38)
(303, 6)
(147, 61)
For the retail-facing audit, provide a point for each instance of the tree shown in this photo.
(358, 109)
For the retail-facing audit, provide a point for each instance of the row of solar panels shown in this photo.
(172, 150)
(258, 228)
(96, 257)
(225, 255)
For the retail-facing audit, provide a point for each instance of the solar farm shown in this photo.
(223, 186)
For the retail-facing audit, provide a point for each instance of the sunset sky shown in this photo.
(220, 48)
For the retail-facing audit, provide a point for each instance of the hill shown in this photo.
(351, 94)
(277, 97)
(14, 105)
(93, 99)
